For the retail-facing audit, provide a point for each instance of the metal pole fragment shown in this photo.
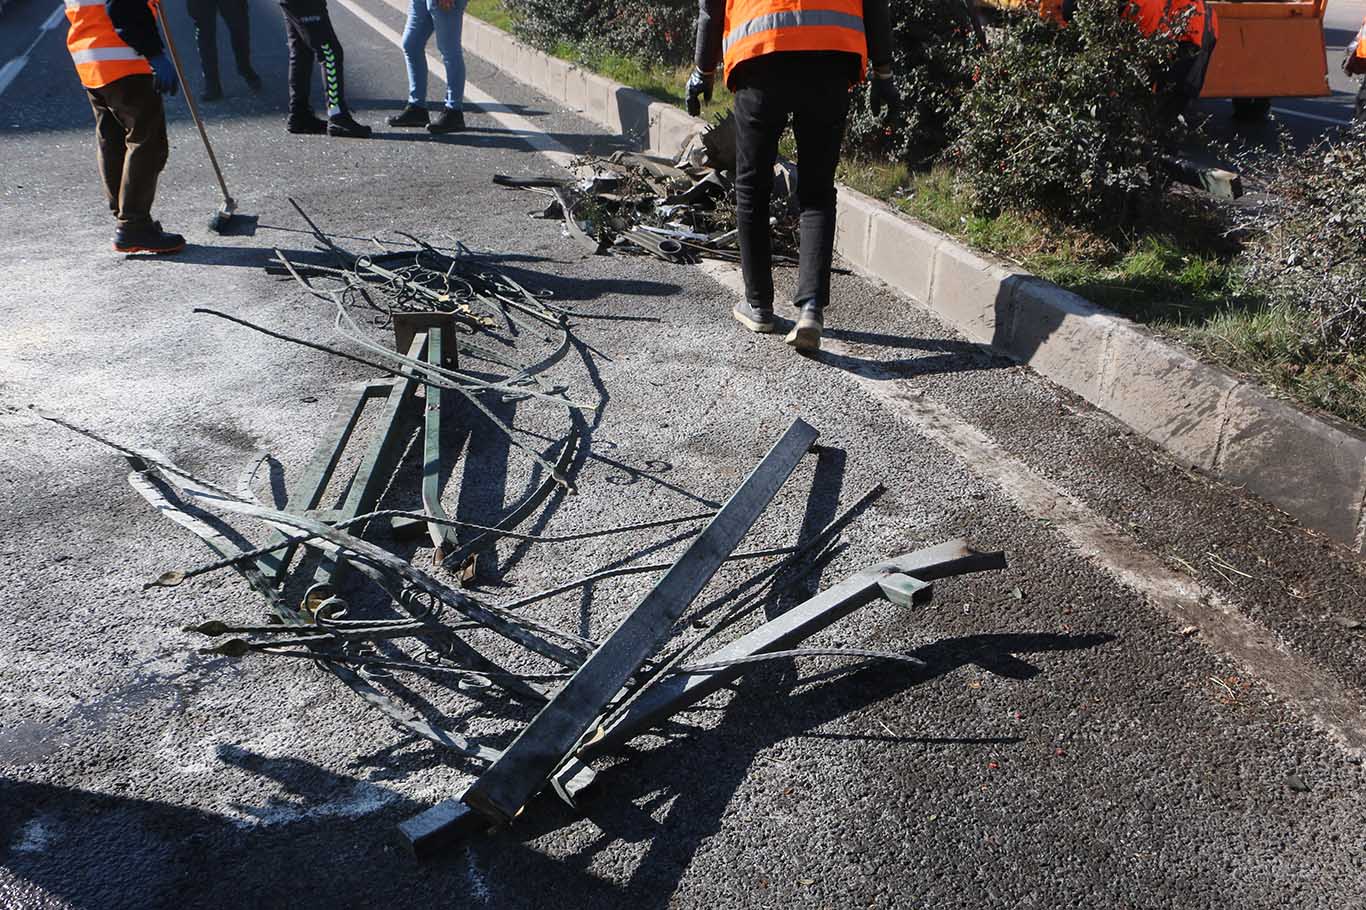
(672, 694)
(541, 747)
(443, 538)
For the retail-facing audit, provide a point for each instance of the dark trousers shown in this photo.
(205, 14)
(1359, 110)
(130, 126)
(312, 39)
(812, 88)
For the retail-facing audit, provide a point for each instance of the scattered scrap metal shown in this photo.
(589, 697)
(678, 211)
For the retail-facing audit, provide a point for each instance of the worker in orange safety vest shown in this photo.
(121, 62)
(1194, 26)
(1354, 64)
(793, 59)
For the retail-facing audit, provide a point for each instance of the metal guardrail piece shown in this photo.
(674, 693)
(443, 537)
(533, 756)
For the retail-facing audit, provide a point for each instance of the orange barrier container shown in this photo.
(1268, 50)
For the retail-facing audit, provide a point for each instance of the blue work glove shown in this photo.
(700, 85)
(882, 93)
(163, 75)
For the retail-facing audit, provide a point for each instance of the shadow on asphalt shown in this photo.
(941, 355)
(327, 840)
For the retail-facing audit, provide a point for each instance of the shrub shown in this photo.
(1307, 245)
(1064, 121)
(651, 32)
(932, 47)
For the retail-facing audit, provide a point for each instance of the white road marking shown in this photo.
(10, 71)
(1289, 112)
(1312, 690)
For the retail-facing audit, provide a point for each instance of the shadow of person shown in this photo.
(942, 355)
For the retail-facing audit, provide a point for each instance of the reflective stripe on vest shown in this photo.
(100, 55)
(754, 28)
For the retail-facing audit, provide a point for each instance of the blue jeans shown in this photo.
(424, 18)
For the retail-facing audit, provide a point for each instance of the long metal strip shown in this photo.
(674, 693)
(532, 757)
(443, 536)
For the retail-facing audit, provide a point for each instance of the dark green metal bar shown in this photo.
(308, 491)
(374, 470)
(443, 536)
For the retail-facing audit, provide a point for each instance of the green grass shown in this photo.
(491, 11)
(1177, 276)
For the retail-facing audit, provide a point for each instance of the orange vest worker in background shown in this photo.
(793, 59)
(120, 60)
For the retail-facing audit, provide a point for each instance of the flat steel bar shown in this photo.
(527, 764)
(443, 537)
(308, 491)
(672, 694)
(373, 472)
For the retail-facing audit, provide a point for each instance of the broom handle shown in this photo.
(189, 99)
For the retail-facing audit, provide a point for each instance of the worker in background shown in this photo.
(308, 29)
(1354, 64)
(794, 59)
(119, 56)
(445, 18)
(1195, 28)
(205, 14)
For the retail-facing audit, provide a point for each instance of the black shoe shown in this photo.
(449, 120)
(806, 334)
(307, 124)
(211, 93)
(253, 81)
(755, 318)
(411, 115)
(345, 126)
(149, 238)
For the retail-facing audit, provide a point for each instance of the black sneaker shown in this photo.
(344, 126)
(449, 120)
(253, 81)
(411, 115)
(806, 334)
(211, 94)
(307, 124)
(755, 318)
(149, 238)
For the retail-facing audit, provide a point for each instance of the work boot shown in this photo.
(806, 334)
(411, 115)
(753, 317)
(449, 120)
(212, 93)
(148, 238)
(307, 124)
(253, 81)
(344, 126)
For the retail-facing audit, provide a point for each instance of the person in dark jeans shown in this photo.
(308, 29)
(205, 14)
(788, 62)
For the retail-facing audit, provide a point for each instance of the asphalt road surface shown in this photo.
(1159, 704)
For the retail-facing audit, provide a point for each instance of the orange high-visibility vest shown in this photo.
(1153, 14)
(100, 55)
(757, 27)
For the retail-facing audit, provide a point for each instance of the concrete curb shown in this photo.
(1310, 466)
